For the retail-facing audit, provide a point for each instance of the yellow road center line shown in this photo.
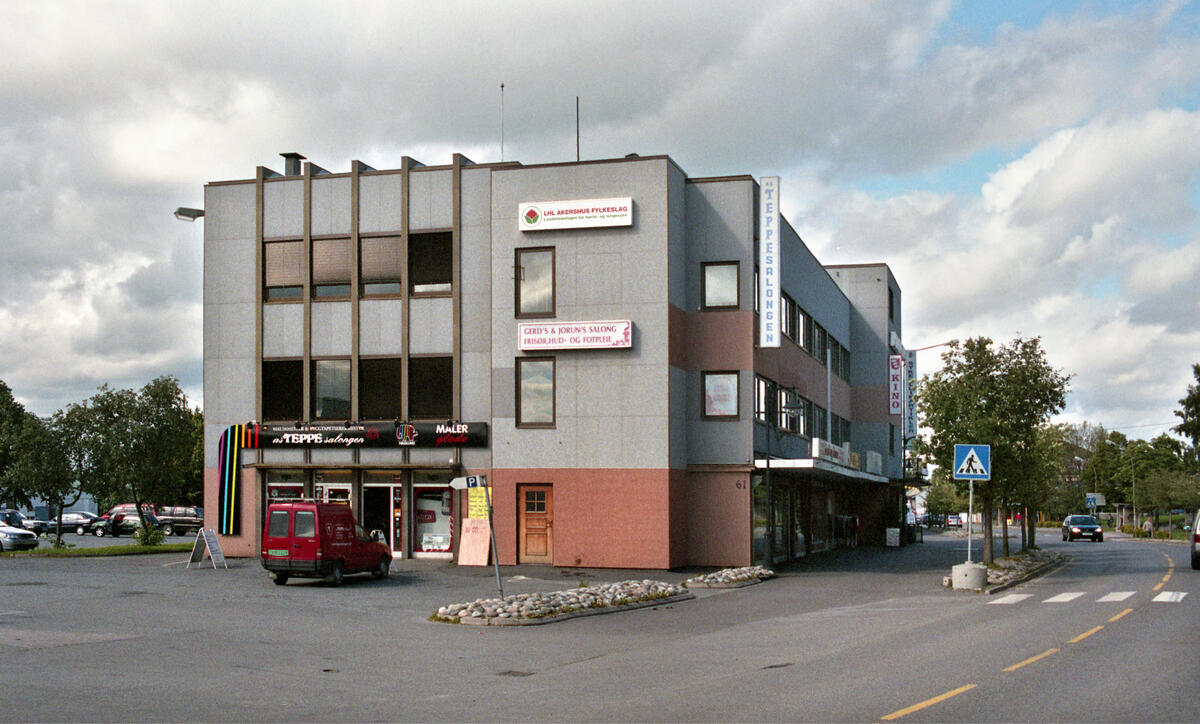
(1121, 614)
(928, 702)
(1158, 587)
(1084, 635)
(1031, 659)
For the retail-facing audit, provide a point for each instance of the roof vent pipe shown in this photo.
(291, 163)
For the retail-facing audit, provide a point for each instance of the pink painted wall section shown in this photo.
(790, 365)
(718, 514)
(711, 340)
(247, 544)
(615, 518)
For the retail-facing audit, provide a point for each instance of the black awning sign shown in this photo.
(366, 434)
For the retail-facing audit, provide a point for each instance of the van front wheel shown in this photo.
(384, 567)
(335, 574)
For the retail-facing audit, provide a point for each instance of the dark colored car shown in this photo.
(120, 519)
(71, 521)
(180, 520)
(319, 540)
(18, 520)
(1082, 526)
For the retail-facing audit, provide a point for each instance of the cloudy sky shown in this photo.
(1025, 168)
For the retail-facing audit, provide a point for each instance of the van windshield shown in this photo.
(277, 528)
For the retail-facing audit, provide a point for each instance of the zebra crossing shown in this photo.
(1113, 597)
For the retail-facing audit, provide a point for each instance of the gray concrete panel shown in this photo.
(331, 333)
(431, 201)
(504, 393)
(333, 457)
(283, 208)
(476, 208)
(229, 271)
(379, 203)
(678, 419)
(331, 205)
(381, 327)
(229, 212)
(283, 458)
(229, 331)
(381, 456)
(476, 392)
(432, 325)
(283, 330)
(720, 227)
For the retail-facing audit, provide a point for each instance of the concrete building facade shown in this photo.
(584, 334)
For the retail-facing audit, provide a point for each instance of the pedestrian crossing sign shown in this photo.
(972, 462)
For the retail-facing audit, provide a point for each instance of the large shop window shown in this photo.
(430, 261)
(282, 389)
(379, 385)
(535, 282)
(380, 266)
(431, 388)
(283, 270)
(331, 268)
(535, 392)
(720, 280)
(331, 389)
(721, 395)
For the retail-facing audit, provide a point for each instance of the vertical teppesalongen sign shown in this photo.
(768, 262)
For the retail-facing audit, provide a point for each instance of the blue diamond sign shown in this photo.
(972, 462)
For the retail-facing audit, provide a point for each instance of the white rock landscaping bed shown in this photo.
(527, 609)
(731, 578)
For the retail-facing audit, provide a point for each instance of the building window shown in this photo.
(331, 268)
(331, 389)
(788, 321)
(380, 266)
(791, 411)
(720, 280)
(535, 392)
(891, 304)
(283, 389)
(430, 262)
(283, 271)
(821, 344)
(379, 384)
(764, 391)
(721, 395)
(535, 282)
(431, 388)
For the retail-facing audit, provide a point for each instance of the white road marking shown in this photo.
(1170, 597)
(1064, 597)
(1011, 598)
(1115, 596)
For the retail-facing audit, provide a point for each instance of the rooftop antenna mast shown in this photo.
(501, 121)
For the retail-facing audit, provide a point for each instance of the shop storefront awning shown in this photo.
(820, 469)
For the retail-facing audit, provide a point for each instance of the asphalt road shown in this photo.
(847, 636)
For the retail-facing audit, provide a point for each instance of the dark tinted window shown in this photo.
(278, 527)
(306, 525)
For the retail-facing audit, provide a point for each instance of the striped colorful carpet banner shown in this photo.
(229, 470)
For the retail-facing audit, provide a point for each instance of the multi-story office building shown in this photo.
(587, 335)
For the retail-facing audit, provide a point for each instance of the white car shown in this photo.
(16, 539)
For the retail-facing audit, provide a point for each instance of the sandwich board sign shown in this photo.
(206, 542)
(972, 462)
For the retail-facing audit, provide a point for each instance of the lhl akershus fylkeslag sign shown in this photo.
(577, 214)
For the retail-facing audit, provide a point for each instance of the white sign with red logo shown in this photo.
(895, 384)
(826, 450)
(579, 214)
(612, 334)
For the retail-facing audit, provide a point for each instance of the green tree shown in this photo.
(943, 498)
(1190, 416)
(42, 467)
(138, 446)
(999, 396)
(12, 420)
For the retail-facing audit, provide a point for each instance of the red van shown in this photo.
(319, 540)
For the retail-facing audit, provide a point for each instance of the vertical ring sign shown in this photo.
(229, 470)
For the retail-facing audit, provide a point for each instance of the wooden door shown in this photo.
(536, 526)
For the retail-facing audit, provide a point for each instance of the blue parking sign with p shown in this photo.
(972, 462)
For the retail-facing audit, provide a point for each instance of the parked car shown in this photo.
(17, 519)
(319, 540)
(71, 521)
(121, 519)
(13, 538)
(1196, 543)
(180, 520)
(1082, 526)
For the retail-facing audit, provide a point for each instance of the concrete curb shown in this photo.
(1027, 576)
